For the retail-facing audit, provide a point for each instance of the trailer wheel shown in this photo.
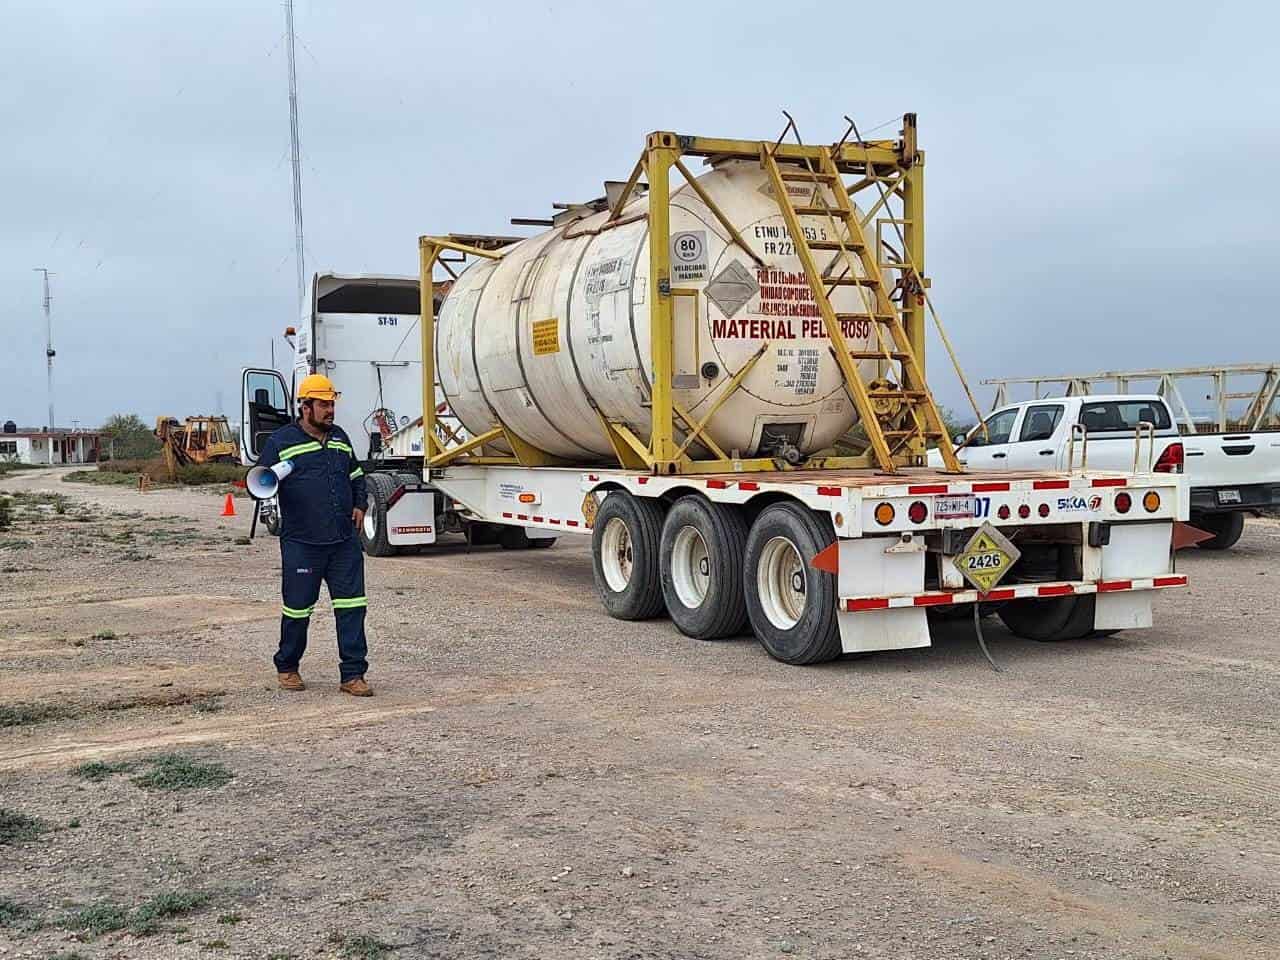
(373, 532)
(515, 538)
(791, 605)
(1051, 621)
(624, 556)
(701, 562)
(1225, 527)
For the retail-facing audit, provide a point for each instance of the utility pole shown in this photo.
(49, 352)
(296, 153)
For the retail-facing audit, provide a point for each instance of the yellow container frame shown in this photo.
(894, 168)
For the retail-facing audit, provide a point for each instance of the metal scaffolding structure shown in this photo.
(896, 409)
(1261, 412)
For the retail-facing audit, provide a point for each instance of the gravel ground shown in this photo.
(534, 779)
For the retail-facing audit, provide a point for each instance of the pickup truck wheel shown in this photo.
(373, 532)
(624, 556)
(1225, 527)
(791, 605)
(701, 563)
(1050, 621)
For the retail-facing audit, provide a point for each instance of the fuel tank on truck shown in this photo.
(555, 334)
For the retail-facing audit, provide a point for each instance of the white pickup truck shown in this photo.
(1230, 474)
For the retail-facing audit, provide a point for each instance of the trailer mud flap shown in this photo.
(866, 568)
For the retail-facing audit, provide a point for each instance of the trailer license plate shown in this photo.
(1228, 496)
(955, 508)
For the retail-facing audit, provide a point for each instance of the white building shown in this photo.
(49, 446)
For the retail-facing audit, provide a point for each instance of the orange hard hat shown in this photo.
(317, 387)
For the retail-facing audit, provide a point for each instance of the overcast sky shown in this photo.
(1102, 177)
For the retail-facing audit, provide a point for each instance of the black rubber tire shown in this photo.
(516, 538)
(1051, 620)
(271, 521)
(380, 487)
(815, 637)
(723, 528)
(641, 599)
(1225, 527)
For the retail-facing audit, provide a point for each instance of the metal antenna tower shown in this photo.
(296, 154)
(49, 352)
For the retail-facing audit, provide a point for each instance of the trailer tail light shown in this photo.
(884, 514)
(918, 512)
(1123, 502)
(1172, 460)
(1044, 510)
(1151, 501)
(1024, 511)
(1003, 511)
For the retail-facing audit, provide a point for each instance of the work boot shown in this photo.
(291, 681)
(356, 687)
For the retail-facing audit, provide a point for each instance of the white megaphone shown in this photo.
(263, 482)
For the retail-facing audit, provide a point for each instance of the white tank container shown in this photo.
(558, 329)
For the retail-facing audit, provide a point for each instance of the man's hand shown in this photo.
(357, 517)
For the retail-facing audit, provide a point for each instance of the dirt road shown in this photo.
(534, 779)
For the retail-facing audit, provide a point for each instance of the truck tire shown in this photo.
(515, 538)
(271, 520)
(624, 556)
(1225, 527)
(701, 563)
(1052, 620)
(791, 605)
(373, 532)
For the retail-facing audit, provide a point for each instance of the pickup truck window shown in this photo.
(1123, 415)
(1040, 422)
(999, 426)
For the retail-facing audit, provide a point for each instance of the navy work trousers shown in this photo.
(341, 566)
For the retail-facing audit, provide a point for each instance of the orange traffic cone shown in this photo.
(229, 506)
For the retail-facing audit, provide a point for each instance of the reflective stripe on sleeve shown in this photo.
(357, 472)
(299, 448)
(293, 614)
(350, 603)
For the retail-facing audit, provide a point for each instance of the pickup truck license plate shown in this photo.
(955, 508)
(1228, 496)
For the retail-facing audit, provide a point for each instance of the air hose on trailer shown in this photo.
(982, 643)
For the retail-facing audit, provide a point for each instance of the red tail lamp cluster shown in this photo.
(1172, 460)
(918, 512)
(1124, 502)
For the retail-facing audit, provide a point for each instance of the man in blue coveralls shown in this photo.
(322, 504)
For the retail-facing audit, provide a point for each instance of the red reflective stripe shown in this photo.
(1051, 485)
(927, 488)
(748, 485)
(1002, 594)
(829, 491)
(571, 523)
(717, 484)
(1110, 482)
(537, 519)
(989, 487)
(1178, 581)
(642, 479)
(867, 603)
(521, 516)
(1059, 590)
(1110, 586)
(553, 520)
(932, 599)
(507, 515)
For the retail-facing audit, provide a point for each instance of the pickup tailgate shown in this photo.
(1227, 470)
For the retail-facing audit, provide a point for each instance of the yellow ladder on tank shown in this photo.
(881, 402)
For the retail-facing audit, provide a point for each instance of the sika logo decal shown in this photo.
(304, 569)
(1078, 504)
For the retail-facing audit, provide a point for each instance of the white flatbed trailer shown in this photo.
(831, 562)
